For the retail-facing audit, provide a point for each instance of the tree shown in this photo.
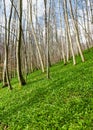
(18, 48)
(6, 80)
(46, 38)
(62, 43)
(35, 38)
(76, 31)
(68, 30)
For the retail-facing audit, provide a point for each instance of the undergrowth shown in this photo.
(65, 102)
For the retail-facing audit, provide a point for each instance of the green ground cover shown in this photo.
(65, 102)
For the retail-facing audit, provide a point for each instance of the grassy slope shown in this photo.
(63, 103)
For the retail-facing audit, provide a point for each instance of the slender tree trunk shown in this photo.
(18, 48)
(36, 42)
(68, 30)
(46, 38)
(88, 28)
(62, 43)
(7, 37)
(76, 31)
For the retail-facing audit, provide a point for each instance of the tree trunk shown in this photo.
(47, 38)
(18, 48)
(6, 80)
(76, 31)
(35, 38)
(68, 30)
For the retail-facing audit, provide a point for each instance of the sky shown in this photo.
(24, 3)
(40, 9)
(40, 4)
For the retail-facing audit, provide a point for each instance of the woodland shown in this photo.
(46, 64)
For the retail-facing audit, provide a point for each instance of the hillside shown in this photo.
(65, 102)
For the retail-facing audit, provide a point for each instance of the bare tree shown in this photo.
(35, 38)
(18, 48)
(46, 37)
(76, 31)
(61, 38)
(6, 80)
(68, 30)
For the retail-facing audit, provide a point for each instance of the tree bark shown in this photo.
(76, 31)
(18, 48)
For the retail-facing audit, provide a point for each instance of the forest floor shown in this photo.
(65, 102)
